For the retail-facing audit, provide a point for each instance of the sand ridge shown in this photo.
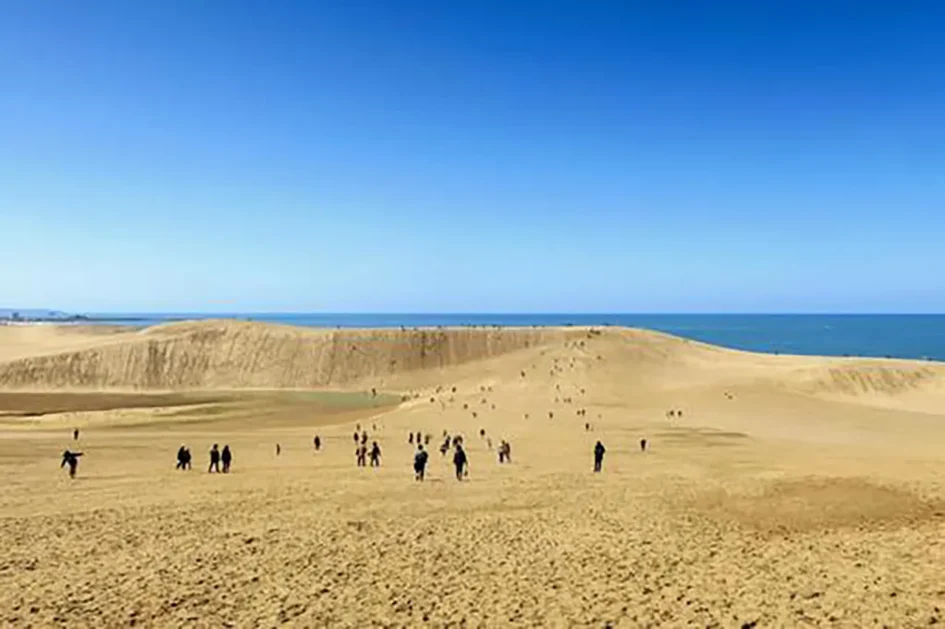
(789, 491)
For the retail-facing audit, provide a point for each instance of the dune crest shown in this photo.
(232, 354)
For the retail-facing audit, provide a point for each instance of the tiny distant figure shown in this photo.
(356, 436)
(227, 458)
(375, 455)
(508, 452)
(75, 434)
(672, 414)
(426, 439)
(278, 449)
(489, 442)
(678, 413)
(460, 462)
(587, 427)
(482, 432)
(72, 460)
(410, 438)
(373, 392)
(418, 438)
(214, 459)
(374, 427)
(364, 438)
(361, 454)
(318, 443)
(642, 445)
(357, 427)
(599, 451)
(445, 446)
(420, 463)
(181, 458)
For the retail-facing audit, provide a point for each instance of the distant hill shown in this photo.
(36, 314)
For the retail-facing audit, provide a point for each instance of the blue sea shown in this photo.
(895, 336)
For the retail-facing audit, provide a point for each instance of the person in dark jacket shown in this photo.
(318, 443)
(460, 462)
(72, 460)
(375, 455)
(227, 458)
(420, 463)
(599, 451)
(181, 458)
(214, 459)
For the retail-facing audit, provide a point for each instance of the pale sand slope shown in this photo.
(792, 492)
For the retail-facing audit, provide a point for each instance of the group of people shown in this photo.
(217, 457)
(361, 452)
(183, 458)
(421, 457)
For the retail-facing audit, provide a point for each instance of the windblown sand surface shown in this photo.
(790, 492)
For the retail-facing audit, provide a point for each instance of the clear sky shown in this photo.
(472, 156)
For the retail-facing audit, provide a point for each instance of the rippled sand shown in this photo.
(791, 492)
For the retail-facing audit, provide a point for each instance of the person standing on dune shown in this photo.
(420, 463)
(214, 459)
(599, 451)
(75, 434)
(227, 458)
(318, 443)
(375, 455)
(460, 462)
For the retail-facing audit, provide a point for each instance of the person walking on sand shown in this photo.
(278, 449)
(410, 438)
(181, 458)
(318, 443)
(599, 451)
(375, 455)
(361, 454)
(72, 460)
(642, 445)
(188, 457)
(227, 458)
(214, 459)
(420, 463)
(460, 462)
(75, 434)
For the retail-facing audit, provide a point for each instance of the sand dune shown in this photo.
(784, 491)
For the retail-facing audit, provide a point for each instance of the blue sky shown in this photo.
(472, 156)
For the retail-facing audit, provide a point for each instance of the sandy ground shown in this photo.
(791, 492)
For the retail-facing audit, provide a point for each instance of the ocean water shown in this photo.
(895, 336)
